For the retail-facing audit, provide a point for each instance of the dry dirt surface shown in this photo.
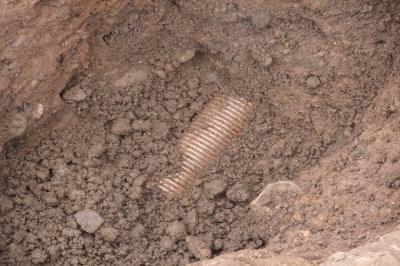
(95, 95)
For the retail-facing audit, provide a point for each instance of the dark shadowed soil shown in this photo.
(312, 69)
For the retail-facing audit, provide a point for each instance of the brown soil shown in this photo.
(321, 74)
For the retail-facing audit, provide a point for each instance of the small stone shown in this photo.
(120, 126)
(238, 193)
(38, 256)
(187, 55)
(74, 94)
(141, 125)
(313, 82)
(109, 234)
(215, 188)
(135, 76)
(261, 19)
(37, 113)
(89, 220)
(198, 247)
(18, 125)
(176, 229)
(275, 194)
(34, 83)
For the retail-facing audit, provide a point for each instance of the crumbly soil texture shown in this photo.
(312, 70)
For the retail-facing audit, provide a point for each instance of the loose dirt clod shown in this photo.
(198, 247)
(215, 188)
(120, 126)
(89, 220)
(313, 82)
(38, 256)
(109, 234)
(176, 229)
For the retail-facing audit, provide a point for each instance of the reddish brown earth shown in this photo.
(119, 82)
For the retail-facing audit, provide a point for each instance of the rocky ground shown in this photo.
(95, 96)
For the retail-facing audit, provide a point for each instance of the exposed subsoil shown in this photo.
(312, 69)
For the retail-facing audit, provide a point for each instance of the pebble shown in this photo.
(187, 56)
(38, 256)
(135, 76)
(199, 248)
(109, 234)
(34, 83)
(261, 19)
(313, 82)
(120, 126)
(274, 194)
(215, 188)
(89, 220)
(238, 193)
(37, 113)
(176, 229)
(74, 94)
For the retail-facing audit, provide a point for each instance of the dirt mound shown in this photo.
(323, 80)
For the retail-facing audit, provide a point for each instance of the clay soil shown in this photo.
(315, 72)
